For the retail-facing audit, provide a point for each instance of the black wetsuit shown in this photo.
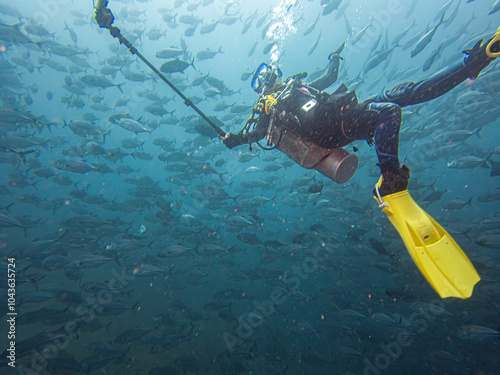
(337, 119)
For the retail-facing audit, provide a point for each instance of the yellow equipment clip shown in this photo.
(270, 102)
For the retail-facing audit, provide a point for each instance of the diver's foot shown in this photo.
(395, 178)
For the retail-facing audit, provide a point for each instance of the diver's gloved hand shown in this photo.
(336, 53)
(477, 57)
(231, 140)
(299, 76)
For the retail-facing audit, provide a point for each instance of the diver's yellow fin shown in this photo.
(436, 254)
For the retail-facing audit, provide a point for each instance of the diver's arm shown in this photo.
(410, 93)
(233, 140)
(333, 71)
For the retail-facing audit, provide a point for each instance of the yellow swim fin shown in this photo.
(436, 254)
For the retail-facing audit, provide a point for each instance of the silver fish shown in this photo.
(97, 81)
(133, 126)
(490, 196)
(76, 166)
(426, 39)
(443, 10)
(356, 38)
(432, 58)
(477, 333)
(175, 66)
(168, 53)
(466, 162)
(314, 45)
(207, 54)
(330, 7)
(311, 27)
(495, 7)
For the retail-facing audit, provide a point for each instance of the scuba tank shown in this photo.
(336, 164)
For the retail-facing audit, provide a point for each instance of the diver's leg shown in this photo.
(395, 178)
(410, 93)
(387, 131)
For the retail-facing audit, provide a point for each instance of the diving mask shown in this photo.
(265, 76)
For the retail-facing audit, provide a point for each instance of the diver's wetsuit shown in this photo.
(318, 85)
(390, 102)
(337, 119)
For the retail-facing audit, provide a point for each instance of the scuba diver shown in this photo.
(311, 126)
(332, 121)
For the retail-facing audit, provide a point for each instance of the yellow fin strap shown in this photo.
(381, 202)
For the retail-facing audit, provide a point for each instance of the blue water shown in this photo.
(215, 261)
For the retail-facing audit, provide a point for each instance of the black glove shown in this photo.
(337, 52)
(477, 59)
(299, 76)
(232, 140)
